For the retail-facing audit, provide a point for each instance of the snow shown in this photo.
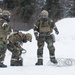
(64, 49)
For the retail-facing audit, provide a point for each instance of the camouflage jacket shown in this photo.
(17, 38)
(5, 29)
(44, 28)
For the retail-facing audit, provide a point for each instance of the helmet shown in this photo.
(44, 13)
(6, 13)
(29, 37)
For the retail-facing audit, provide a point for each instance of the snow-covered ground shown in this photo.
(65, 48)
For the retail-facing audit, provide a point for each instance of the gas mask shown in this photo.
(8, 19)
(44, 18)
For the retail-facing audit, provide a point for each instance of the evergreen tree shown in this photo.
(26, 8)
(11, 3)
(54, 9)
(72, 12)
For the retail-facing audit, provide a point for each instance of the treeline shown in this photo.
(57, 9)
(26, 12)
(24, 8)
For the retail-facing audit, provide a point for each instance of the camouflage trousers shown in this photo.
(15, 50)
(50, 46)
(2, 50)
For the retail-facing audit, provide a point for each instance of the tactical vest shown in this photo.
(44, 26)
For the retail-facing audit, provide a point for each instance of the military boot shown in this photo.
(39, 62)
(2, 65)
(53, 60)
(17, 62)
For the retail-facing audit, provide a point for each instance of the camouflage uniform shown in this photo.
(42, 30)
(4, 31)
(14, 45)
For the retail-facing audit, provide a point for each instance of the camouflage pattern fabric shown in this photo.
(14, 45)
(2, 50)
(41, 41)
(43, 29)
(15, 41)
(44, 36)
(4, 31)
(16, 51)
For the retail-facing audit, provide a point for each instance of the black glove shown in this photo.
(57, 32)
(37, 37)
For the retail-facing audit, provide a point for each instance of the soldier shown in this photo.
(4, 31)
(14, 45)
(43, 32)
